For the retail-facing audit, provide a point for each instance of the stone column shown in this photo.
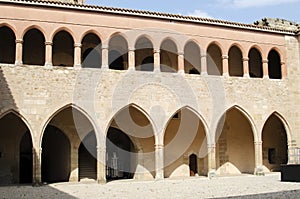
(19, 51)
(159, 161)
(225, 65)
(265, 68)
(101, 164)
(258, 158)
(181, 62)
(48, 54)
(212, 161)
(203, 64)
(131, 59)
(77, 55)
(246, 66)
(156, 60)
(37, 166)
(105, 57)
(74, 175)
(283, 70)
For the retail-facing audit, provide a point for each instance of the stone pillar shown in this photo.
(265, 68)
(105, 57)
(246, 66)
(181, 62)
(203, 64)
(77, 55)
(258, 159)
(159, 161)
(156, 60)
(48, 54)
(283, 70)
(101, 164)
(19, 51)
(37, 166)
(225, 65)
(131, 59)
(74, 175)
(211, 161)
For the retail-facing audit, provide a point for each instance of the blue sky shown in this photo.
(245, 11)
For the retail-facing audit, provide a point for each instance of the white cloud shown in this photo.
(254, 3)
(199, 13)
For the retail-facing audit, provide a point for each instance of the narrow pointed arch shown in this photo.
(118, 52)
(255, 62)
(274, 64)
(34, 27)
(235, 61)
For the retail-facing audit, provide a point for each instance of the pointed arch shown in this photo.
(235, 135)
(91, 54)
(255, 62)
(186, 131)
(275, 139)
(118, 52)
(274, 64)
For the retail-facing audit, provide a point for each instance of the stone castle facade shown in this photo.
(99, 93)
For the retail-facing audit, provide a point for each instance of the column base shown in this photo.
(18, 63)
(48, 66)
(259, 171)
(212, 174)
(159, 177)
(77, 66)
(101, 181)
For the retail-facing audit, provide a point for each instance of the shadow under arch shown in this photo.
(185, 132)
(17, 163)
(235, 136)
(130, 134)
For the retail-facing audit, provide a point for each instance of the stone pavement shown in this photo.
(244, 186)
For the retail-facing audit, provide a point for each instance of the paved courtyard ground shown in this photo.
(245, 186)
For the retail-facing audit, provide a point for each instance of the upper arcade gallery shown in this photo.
(142, 52)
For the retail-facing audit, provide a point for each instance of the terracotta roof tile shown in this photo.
(152, 14)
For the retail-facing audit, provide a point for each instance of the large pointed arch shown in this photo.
(16, 143)
(185, 133)
(275, 138)
(72, 125)
(130, 134)
(235, 136)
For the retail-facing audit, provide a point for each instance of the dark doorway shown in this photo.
(121, 161)
(55, 156)
(87, 154)
(193, 165)
(26, 159)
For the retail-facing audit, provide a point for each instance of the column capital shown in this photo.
(203, 55)
(225, 57)
(258, 143)
(131, 49)
(19, 41)
(245, 58)
(48, 43)
(156, 51)
(104, 46)
(181, 53)
(265, 61)
(77, 45)
(282, 63)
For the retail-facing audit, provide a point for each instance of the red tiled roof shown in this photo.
(142, 13)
